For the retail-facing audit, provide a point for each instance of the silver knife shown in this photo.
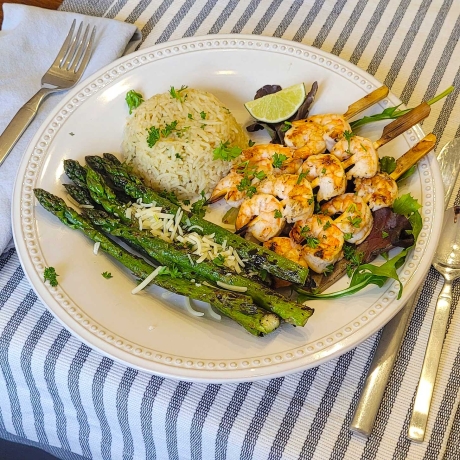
(393, 333)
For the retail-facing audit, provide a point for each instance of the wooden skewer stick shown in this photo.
(366, 102)
(401, 124)
(412, 156)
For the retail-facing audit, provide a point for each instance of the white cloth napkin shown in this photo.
(29, 42)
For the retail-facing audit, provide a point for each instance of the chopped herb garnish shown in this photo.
(203, 115)
(384, 234)
(50, 275)
(178, 156)
(263, 274)
(347, 236)
(153, 136)
(278, 214)
(176, 93)
(173, 271)
(134, 100)
(348, 135)
(72, 134)
(226, 153)
(107, 275)
(387, 164)
(312, 242)
(251, 143)
(301, 177)
(169, 128)
(190, 116)
(323, 171)
(286, 126)
(278, 160)
(219, 260)
(199, 207)
(260, 175)
(355, 221)
(327, 225)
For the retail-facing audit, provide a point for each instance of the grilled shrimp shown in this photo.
(322, 241)
(359, 152)
(263, 157)
(326, 172)
(286, 247)
(379, 191)
(228, 188)
(294, 192)
(306, 137)
(334, 125)
(261, 216)
(355, 219)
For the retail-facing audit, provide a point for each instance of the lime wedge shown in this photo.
(279, 106)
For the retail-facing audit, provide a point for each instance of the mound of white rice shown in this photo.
(181, 160)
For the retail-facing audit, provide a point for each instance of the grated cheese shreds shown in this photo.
(230, 287)
(167, 227)
(147, 280)
(188, 306)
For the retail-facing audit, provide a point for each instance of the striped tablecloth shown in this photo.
(57, 393)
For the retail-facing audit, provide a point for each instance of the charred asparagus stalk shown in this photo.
(258, 256)
(174, 254)
(237, 306)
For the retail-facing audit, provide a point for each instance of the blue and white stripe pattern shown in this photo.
(59, 394)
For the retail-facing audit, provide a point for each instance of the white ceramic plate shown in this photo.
(156, 334)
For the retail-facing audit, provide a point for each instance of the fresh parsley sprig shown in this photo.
(176, 93)
(50, 275)
(134, 100)
(199, 207)
(225, 152)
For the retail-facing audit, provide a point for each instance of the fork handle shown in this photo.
(20, 122)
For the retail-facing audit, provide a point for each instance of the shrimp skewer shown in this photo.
(318, 133)
(361, 154)
(381, 190)
(269, 159)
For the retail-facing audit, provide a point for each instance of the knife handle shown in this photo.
(20, 122)
(380, 370)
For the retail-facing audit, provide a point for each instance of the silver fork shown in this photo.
(64, 73)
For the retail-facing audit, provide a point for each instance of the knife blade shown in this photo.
(394, 331)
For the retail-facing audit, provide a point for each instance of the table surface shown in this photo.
(68, 398)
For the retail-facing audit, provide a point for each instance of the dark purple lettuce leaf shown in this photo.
(267, 89)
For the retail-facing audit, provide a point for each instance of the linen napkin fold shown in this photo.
(30, 39)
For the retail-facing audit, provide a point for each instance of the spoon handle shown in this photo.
(424, 393)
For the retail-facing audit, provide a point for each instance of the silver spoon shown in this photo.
(447, 262)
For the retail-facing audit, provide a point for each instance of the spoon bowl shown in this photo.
(447, 262)
(447, 257)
